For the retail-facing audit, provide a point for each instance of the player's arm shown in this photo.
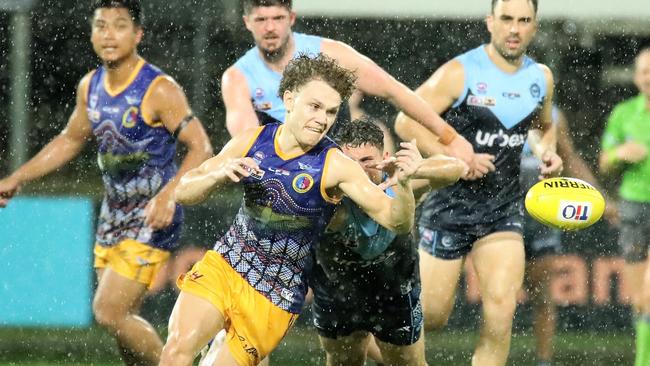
(63, 148)
(543, 134)
(229, 166)
(240, 114)
(373, 80)
(168, 105)
(346, 177)
(617, 150)
(439, 92)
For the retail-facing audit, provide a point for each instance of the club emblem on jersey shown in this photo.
(535, 91)
(130, 117)
(259, 93)
(302, 183)
(481, 87)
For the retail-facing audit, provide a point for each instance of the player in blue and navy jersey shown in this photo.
(492, 95)
(253, 283)
(366, 278)
(136, 114)
(250, 86)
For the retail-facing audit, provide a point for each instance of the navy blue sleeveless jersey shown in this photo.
(494, 114)
(136, 157)
(284, 212)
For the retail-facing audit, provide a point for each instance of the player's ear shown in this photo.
(292, 18)
(489, 22)
(287, 98)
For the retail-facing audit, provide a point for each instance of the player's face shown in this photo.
(271, 29)
(311, 111)
(114, 35)
(367, 156)
(642, 73)
(512, 26)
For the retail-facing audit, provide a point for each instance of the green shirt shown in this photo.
(630, 121)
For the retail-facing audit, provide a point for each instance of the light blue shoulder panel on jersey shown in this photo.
(510, 97)
(263, 83)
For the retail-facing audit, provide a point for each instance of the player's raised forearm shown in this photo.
(402, 210)
(408, 129)
(197, 184)
(541, 141)
(440, 171)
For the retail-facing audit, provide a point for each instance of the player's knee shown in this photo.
(500, 304)
(342, 358)
(106, 316)
(177, 347)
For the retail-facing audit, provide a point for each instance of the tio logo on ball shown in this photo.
(574, 211)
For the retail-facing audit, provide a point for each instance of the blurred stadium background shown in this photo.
(46, 236)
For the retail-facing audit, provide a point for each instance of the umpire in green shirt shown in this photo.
(625, 146)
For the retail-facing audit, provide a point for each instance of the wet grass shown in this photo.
(36, 347)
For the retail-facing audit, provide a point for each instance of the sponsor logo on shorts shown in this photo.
(500, 139)
(249, 348)
(194, 276)
(447, 241)
(574, 211)
(477, 101)
(302, 183)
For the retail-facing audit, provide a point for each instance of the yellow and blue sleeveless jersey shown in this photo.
(494, 113)
(284, 212)
(264, 83)
(136, 157)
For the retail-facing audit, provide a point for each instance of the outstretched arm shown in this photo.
(63, 148)
(229, 166)
(373, 80)
(346, 177)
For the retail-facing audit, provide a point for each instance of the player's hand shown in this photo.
(236, 169)
(460, 148)
(408, 159)
(551, 165)
(8, 188)
(159, 212)
(482, 164)
(631, 152)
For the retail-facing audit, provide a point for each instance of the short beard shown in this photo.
(277, 54)
(509, 57)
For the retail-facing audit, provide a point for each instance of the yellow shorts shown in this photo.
(254, 325)
(132, 259)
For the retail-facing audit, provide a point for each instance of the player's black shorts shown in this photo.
(446, 244)
(540, 240)
(391, 318)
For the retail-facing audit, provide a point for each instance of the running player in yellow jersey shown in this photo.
(253, 283)
(136, 114)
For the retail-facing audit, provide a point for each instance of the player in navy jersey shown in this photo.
(366, 278)
(492, 95)
(136, 114)
(253, 283)
(250, 86)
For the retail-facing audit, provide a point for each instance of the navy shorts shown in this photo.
(392, 318)
(447, 244)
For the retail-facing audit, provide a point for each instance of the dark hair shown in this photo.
(250, 4)
(494, 3)
(304, 69)
(359, 132)
(132, 6)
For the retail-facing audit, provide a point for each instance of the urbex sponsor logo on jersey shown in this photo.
(574, 211)
(500, 139)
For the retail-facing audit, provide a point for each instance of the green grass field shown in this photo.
(93, 347)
